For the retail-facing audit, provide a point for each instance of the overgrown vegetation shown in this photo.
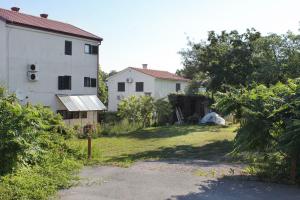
(35, 158)
(145, 111)
(254, 77)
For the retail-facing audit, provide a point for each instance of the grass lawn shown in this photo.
(197, 142)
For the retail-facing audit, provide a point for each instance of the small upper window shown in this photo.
(91, 49)
(68, 48)
(178, 87)
(139, 86)
(93, 82)
(87, 48)
(87, 82)
(121, 87)
(64, 82)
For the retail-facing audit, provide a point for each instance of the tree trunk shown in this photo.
(293, 172)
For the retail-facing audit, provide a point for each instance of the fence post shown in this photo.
(89, 147)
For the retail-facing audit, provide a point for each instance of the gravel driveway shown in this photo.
(174, 180)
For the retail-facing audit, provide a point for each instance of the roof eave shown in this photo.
(98, 39)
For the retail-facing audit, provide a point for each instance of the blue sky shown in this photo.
(153, 31)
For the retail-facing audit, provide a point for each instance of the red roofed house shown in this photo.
(50, 63)
(142, 81)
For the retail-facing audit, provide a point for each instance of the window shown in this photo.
(87, 82)
(148, 94)
(90, 82)
(72, 115)
(93, 82)
(178, 87)
(87, 48)
(64, 82)
(91, 49)
(68, 48)
(139, 86)
(83, 115)
(121, 87)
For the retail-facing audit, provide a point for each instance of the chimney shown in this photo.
(15, 9)
(44, 15)
(145, 66)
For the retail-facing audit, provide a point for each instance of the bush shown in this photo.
(109, 117)
(35, 158)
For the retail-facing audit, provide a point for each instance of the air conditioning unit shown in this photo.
(129, 80)
(32, 76)
(33, 68)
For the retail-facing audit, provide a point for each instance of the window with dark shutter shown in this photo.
(139, 86)
(93, 82)
(68, 48)
(95, 50)
(64, 82)
(121, 87)
(87, 82)
(87, 48)
(178, 87)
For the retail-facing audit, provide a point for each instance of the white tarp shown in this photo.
(81, 102)
(213, 118)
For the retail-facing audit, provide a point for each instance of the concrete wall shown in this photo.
(165, 87)
(3, 54)
(47, 51)
(129, 87)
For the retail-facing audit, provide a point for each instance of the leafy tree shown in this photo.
(102, 87)
(240, 59)
(163, 111)
(269, 118)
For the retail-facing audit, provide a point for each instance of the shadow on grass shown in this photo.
(237, 187)
(214, 151)
(168, 131)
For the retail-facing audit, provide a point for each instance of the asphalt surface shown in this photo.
(174, 180)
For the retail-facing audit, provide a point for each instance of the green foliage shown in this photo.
(269, 117)
(137, 109)
(34, 152)
(240, 59)
(102, 87)
(164, 111)
(118, 128)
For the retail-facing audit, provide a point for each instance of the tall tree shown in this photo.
(102, 89)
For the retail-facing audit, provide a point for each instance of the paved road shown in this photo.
(174, 180)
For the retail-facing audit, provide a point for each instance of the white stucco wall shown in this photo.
(158, 88)
(47, 51)
(112, 84)
(165, 87)
(3, 57)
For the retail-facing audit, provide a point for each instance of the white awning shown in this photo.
(81, 102)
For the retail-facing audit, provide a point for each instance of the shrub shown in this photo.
(163, 110)
(118, 128)
(35, 158)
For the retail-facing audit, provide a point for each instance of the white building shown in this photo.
(50, 63)
(142, 81)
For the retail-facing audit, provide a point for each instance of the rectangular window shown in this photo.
(95, 50)
(87, 48)
(178, 87)
(148, 94)
(68, 47)
(139, 86)
(93, 82)
(91, 49)
(68, 115)
(121, 87)
(87, 82)
(64, 82)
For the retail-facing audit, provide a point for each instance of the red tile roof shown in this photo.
(20, 19)
(160, 74)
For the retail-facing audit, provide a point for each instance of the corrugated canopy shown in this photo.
(81, 102)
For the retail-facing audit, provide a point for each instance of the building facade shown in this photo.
(42, 59)
(142, 81)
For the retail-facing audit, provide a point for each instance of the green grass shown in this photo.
(172, 142)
